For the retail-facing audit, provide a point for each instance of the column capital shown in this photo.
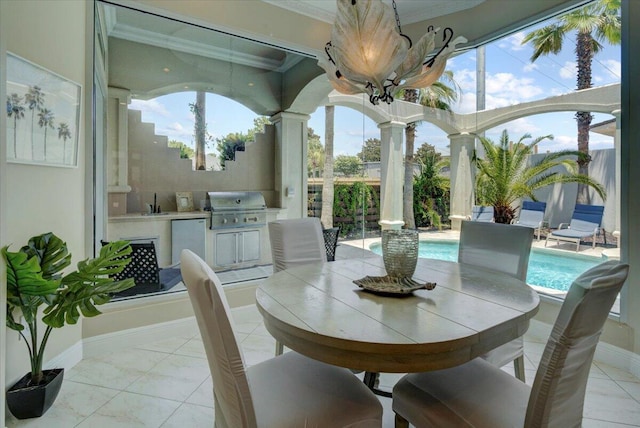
(392, 124)
(278, 117)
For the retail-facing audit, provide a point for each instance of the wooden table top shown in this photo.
(318, 311)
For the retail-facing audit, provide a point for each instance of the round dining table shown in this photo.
(318, 311)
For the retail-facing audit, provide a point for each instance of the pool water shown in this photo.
(546, 269)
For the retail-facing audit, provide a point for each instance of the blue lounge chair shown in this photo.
(482, 213)
(532, 215)
(585, 222)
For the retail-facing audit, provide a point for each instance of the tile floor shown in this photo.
(167, 384)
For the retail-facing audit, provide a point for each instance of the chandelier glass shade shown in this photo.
(368, 52)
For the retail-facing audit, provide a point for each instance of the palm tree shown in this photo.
(45, 120)
(200, 129)
(439, 96)
(35, 100)
(595, 23)
(65, 133)
(15, 109)
(505, 176)
(327, 176)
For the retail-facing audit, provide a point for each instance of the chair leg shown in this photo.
(401, 422)
(518, 367)
(279, 348)
(370, 379)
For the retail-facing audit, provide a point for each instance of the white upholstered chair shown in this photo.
(477, 394)
(296, 242)
(502, 248)
(290, 390)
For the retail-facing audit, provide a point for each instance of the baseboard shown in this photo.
(66, 360)
(605, 353)
(109, 342)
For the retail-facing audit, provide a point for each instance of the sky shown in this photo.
(511, 78)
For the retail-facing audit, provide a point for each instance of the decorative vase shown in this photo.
(400, 252)
(32, 401)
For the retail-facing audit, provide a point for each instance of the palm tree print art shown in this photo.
(15, 110)
(45, 120)
(64, 133)
(35, 101)
(54, 104)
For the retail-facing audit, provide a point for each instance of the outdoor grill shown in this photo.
(237, 210)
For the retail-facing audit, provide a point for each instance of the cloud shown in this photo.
(513, 42)
(569, 70)
(150, 107)
(529, 67)
(611, 70)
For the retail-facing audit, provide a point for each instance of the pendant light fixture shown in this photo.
(368, 52)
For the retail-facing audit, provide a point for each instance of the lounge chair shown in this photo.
(585, 222)
(532, 215)
(481, 213)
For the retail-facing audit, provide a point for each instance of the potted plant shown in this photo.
(34, 282)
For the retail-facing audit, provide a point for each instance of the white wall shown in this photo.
(39, 199)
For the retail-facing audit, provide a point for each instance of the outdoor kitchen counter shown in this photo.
(157, 228)
(169, 215)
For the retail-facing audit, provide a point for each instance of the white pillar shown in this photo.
(291, 162)
(462, 177)
(616, 147)
(391, 175)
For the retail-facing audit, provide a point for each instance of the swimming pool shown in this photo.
(547, 268)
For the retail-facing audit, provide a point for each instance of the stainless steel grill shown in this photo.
(237, 209)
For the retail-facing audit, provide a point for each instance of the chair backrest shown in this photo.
(225, 358)
(330, 242)
(296, 242)
(495, 246)
(482, 213)
(557, 395)
(586, 218)
(532, 213)
(143, 267)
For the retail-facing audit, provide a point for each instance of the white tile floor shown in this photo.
(167, 384)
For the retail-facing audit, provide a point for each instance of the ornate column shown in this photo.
(462, 177)
(391, 174)
(291, 162)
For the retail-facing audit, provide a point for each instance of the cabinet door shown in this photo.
(226, 249)
(250, 246)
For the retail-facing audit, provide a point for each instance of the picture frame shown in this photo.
(184, 201)
(43, 115)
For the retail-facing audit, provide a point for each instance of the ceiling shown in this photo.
(263, 52)
(409, 11)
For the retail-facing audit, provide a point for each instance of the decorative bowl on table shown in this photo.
(389, 285)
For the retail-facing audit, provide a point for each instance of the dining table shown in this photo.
(318, 311)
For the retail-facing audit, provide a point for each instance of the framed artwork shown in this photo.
(184, 201)
(43, 115)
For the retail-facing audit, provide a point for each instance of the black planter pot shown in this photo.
(25, 401)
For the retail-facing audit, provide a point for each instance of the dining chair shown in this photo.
(503, 248)
(289, 390)
(296, 242)
(478, 394)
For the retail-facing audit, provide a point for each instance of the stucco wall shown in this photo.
(40, 199)
(155, 168)
(561, 198)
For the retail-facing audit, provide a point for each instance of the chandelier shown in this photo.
(368, 52)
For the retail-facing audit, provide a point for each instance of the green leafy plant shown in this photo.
(353, 201)
(505, 174)
(34, 280)
(431, 191)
